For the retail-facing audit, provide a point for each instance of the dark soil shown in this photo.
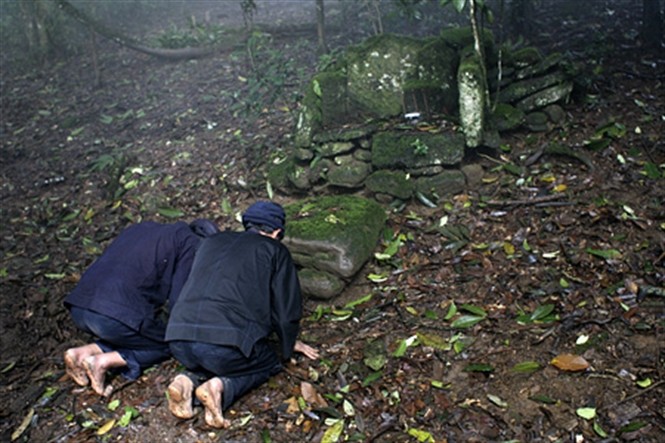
(177, 133)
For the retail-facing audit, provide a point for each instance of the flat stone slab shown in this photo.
(332, 234)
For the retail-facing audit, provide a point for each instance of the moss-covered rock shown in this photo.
(278, 174)
(303, 154)
(541, 67)
(520, 89)
(473, 174)
(363, 155)
(459, 38)
(547, 96)
(507, 117)
(331, 89)
(299, 177)
(318, 170)
(555, 113)
(348, 172)
(345, 134)
(393, 149)
(447, 183)
(331, 149)
(336, 234)
(537, 122)
(320, 284)
(394, 183)
(524, 57)
(376, 72)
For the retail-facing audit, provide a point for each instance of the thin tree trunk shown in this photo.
(652, 24)
(320, 27)
(95, 63)
(34, 14)
(521, 14)
(478, 46)
(379, 20)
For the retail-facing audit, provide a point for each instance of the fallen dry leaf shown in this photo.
(570, 362)
(292, 407)
(311, 396)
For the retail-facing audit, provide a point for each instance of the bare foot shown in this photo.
(95, 373)
(74, 362)
(74, 369)
(97, 365)
(180, 397)
(210, 395)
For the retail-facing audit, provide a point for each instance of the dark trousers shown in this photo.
(239, 374)
(138, 351)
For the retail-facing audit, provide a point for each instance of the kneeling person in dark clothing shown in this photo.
(122, 297)
(243, 287)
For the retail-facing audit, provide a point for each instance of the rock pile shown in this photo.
(351, 133)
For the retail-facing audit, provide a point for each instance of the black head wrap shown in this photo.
(203, 227)
(265, 213)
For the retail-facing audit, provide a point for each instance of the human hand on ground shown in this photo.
(307, 350)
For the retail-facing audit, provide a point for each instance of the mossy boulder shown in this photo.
(394, 183)
(546, 97)
(507, 117)
(447, 183)
(320, 284)
(541, 67)
(331, 89)
(537, 122)
(345, 134)
(459, 38)
(333, 234)
(524, 57)
(376, 71)
(520, 89)
(278, 173)
(395, 149)
(331, 149)
(348, 172)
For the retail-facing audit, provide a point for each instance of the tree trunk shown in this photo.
(95, 62)
(320, 27)
(521, 16)
(34, 13)
(478, 45)
(128, 42)
(652, 24)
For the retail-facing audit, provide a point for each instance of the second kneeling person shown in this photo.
(243, 286)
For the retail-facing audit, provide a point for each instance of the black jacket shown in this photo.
(243, 286)
(145, 267)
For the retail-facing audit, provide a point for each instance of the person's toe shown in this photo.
(96, 379)
(75, 372)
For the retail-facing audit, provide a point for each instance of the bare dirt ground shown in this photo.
(171, 137)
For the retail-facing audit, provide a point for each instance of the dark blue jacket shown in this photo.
(145, 267)
(243, 286)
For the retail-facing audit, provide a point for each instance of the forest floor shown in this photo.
(566, 258)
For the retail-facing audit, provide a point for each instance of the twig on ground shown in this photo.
(529, 201)
(632, 397)
(386, 426)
